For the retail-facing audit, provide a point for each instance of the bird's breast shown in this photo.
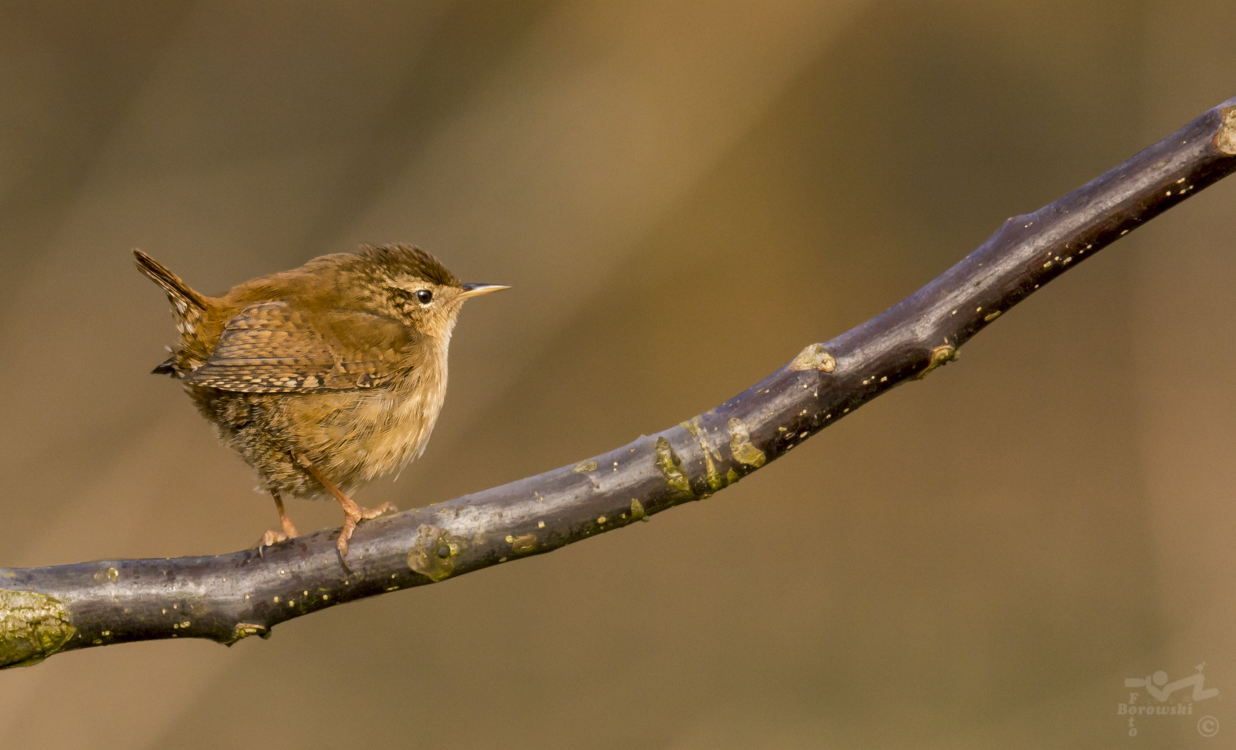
(386, 428)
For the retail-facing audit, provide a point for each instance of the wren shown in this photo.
(322, 377)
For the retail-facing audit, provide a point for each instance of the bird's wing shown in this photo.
(273, 347)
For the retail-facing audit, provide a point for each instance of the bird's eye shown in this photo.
(424, 296)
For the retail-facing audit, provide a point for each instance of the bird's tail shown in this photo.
(185, 300)
(188, 308)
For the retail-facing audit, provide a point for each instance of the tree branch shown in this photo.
(228, 597)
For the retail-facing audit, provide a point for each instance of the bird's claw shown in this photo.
(368, 514)
(351, 519)
(269, 539)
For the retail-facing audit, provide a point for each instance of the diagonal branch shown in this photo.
(228, 597)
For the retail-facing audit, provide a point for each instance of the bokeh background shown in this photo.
(682, 194)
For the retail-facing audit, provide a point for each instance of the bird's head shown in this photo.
(413, 287)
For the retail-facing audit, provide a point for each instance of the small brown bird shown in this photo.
(324, 376)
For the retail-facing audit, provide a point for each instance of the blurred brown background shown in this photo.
(683, 195)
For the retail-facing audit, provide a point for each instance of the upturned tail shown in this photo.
(181, 296)
(187, 305)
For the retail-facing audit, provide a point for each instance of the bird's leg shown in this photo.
(289, 531)
(352, 512)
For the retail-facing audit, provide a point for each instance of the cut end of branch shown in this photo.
(32, 627)
(1225, 140)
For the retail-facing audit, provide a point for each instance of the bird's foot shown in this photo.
(269, 539)
(354, 514)
(368, 514)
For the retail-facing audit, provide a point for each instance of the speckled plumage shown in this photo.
(338, 366)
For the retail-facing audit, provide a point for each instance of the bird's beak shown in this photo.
(476, 290)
